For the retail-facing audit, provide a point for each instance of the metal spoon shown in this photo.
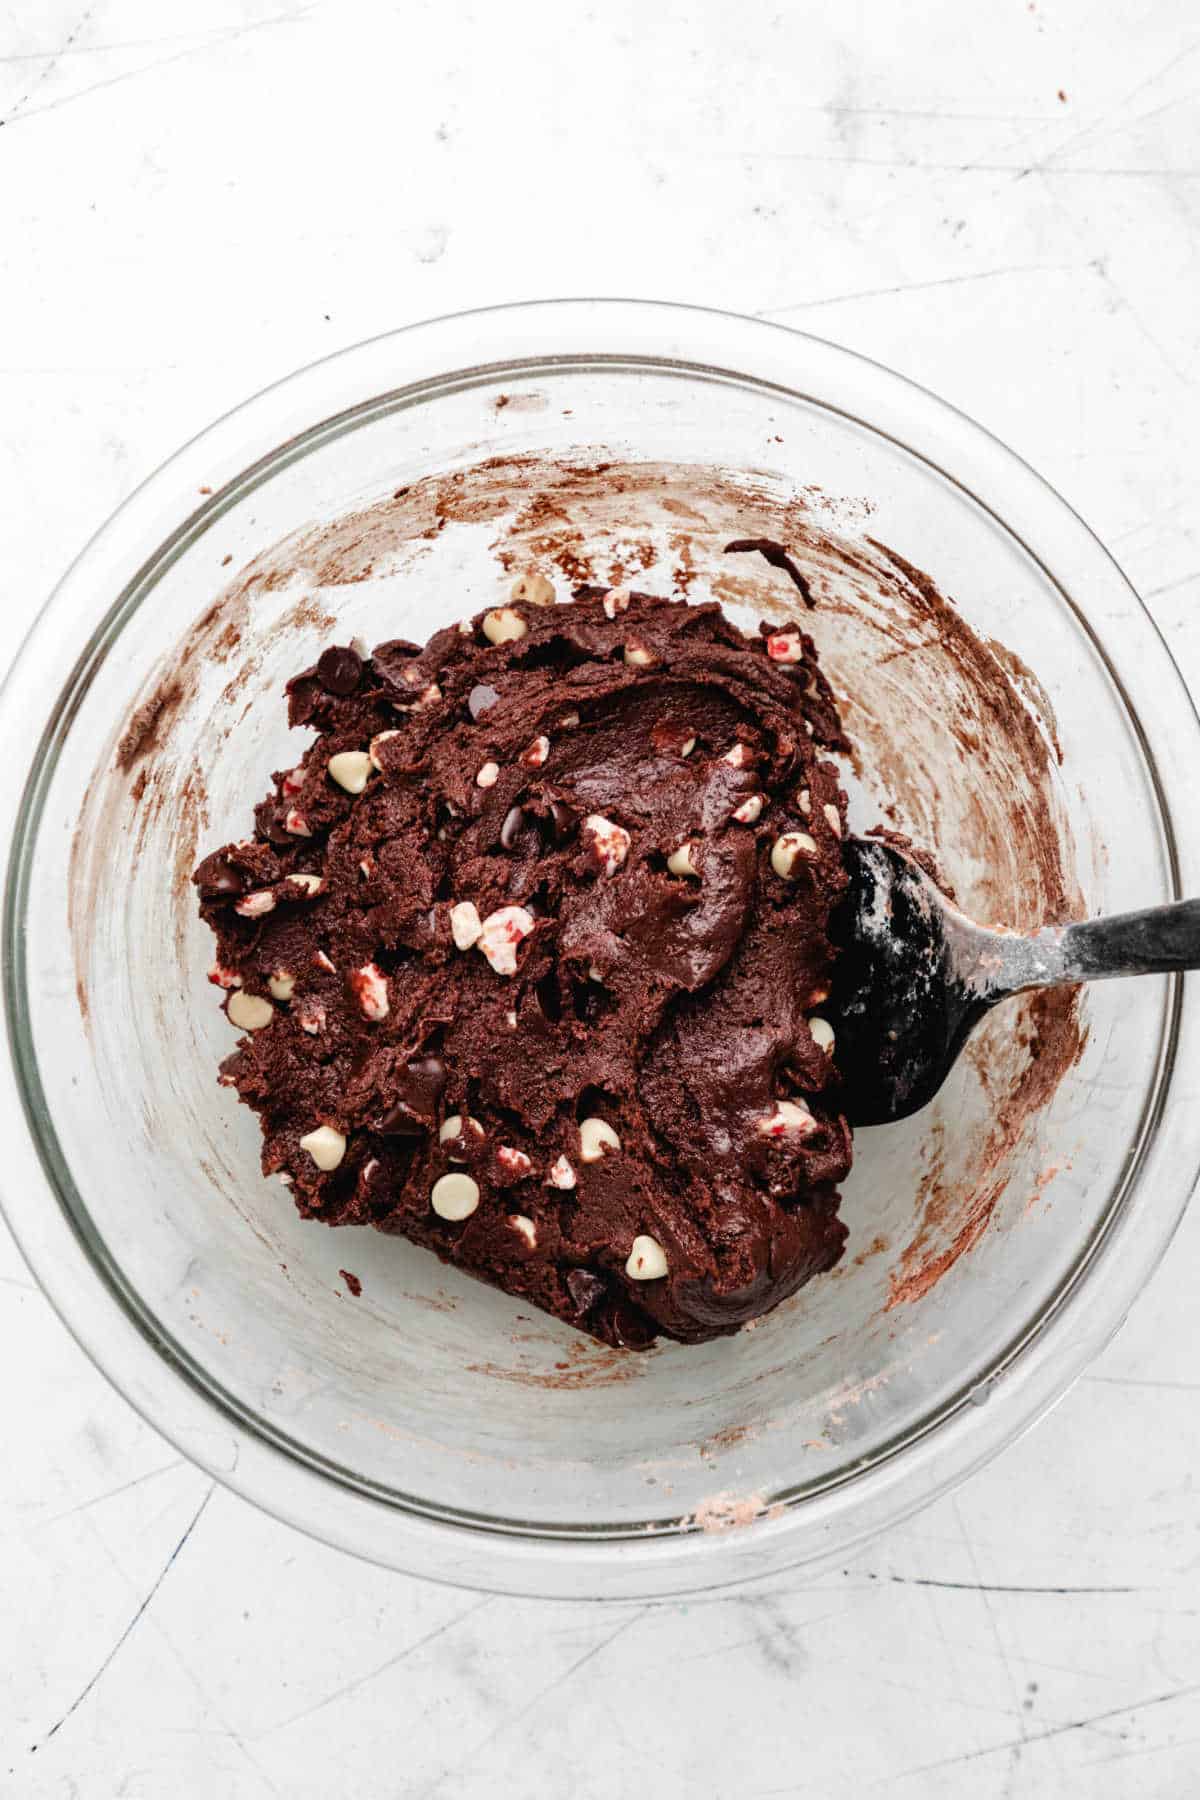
(914, 975)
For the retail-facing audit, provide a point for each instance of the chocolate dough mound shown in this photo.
(529, 954)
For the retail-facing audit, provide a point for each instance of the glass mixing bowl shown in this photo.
(431, 1424)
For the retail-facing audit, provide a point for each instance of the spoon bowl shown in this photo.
(915, 975)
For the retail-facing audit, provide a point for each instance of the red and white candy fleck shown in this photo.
(224, 978)
(561, 1175)
(297, 824)
(788, 1119)
(500, 934)
(535, 754)
(785, 647)
(256, 906)
(513, 1162)
(609, 842)
(369, 987)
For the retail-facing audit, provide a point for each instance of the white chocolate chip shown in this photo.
(452, 1132)
(787, 851)
(377, 742)
(306, 883)
(536, 589)
(454, 1197)
(500, 934)
(351, 769)
(616, 601)
(428, 697)
(809, 727)
(682, 862)
(687, 746)
(740, 757)
(503, 625)
(561, 1175)
(254, 906)
(326, 1147)
(804, 801)
(638, 657)
(465, 924)
(535, 754)
(297, 824)
(610, 842)
(370, 989)
(510, 1019)
(249, 1012)
(488, 775)
(312, 1018)
(647, 1260)
(513, 1162)
(222, 977)
(785, 647)
(366, 867)
(524, 1228)
(465, 627)
(822, 1035)
(596, 1139)
(568, 721)
(282, 984)
(324, 962)
(370, 1170)
(788, 1119)
(749, 811)
(835, 819)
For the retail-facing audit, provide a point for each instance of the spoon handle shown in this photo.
(1159, 941)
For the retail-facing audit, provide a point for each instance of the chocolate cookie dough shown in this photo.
(529, 953)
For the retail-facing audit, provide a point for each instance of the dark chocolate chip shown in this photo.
(585, 1289)
(480, 699)
(513, 821)
(339, 669)
(631, 1328)
(215, 877)
(271, 824)
(425, 1084)
(418, 1091)
(563, 819)
(390, 660)
(398, 1121)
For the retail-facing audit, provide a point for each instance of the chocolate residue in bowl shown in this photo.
(149, 725)
(1022, 1051)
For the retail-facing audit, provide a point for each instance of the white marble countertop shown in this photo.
(1001, 201)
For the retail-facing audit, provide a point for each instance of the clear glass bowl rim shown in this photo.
(1041, 1361)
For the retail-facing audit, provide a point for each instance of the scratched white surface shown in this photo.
(196, 200)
